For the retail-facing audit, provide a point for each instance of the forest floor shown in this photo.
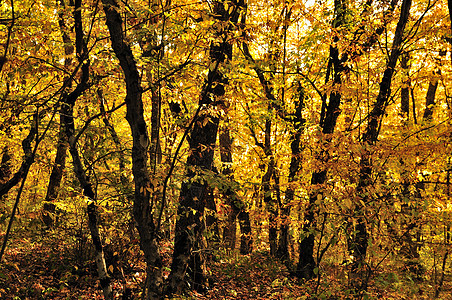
(55, 271)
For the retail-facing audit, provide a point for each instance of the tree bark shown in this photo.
(406, 86)
(431, 91)
(30, 155)
(237, 207)
(358, 240)
(188, 256)
(59, 164)
(126, 188)
(230, 230)
(328, 117)
(142, 208)
(28, 159)
(269, 201)
(67, 120)
(5, 166)
(295, 166)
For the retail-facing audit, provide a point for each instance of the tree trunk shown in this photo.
(406, 86)
(328, 117)
(125, 186)
(295, 165)
(56, 175)
(237, 207)
(67, 121)
(142, 208)
(211, 219)
(5, 166)
(188, 256)
(29, 157)
(431, 91)
(271, 204)
(230, 230)
(359, 238)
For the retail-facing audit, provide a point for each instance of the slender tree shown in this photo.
(359, 239)
(68, 123)
(330, 110)
(142, 207)
(236, 205)
(59, 163)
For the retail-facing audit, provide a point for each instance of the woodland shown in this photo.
(225, 149)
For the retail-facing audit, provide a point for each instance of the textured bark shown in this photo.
(230, 230)
(56, 176)
(142, 208)
(270, 202)
(188, 256)
(430, 99)
(213, 235)
(358, 240)
(246, 238)
(154, 149)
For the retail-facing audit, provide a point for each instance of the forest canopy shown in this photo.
(225, 149)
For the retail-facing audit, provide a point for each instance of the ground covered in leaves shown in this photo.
(60, 271)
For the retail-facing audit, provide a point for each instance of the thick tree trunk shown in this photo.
(246, 238)
(271, 204)
(211, 219)
(56, 176)
(359, 239)
(230, 229)
(188, 256)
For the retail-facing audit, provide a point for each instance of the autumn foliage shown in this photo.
(225, 149)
